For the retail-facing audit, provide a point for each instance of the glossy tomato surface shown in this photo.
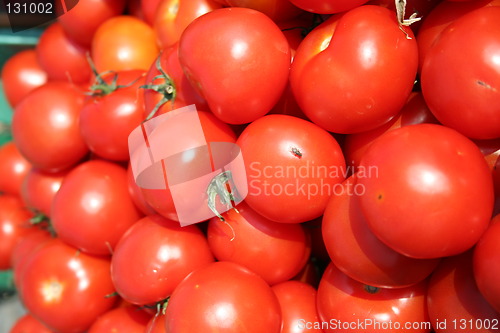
(13, 167)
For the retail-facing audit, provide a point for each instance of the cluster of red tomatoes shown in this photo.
(371, 149)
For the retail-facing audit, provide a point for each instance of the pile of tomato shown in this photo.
(370, 137)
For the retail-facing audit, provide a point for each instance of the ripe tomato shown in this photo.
(39, 188)
(136, 194)
(173, 16)
(275, 251)
(149, 8)
(128, 319)
(358, 253)
(214, 130)
(486, 264)
(156, 324)
(241, 72)
(298, 306)
(13, 168)
(61, 57)
(154, 256)
(29, 324)
(168, 87)
(68, 291)
(462, 91)
(108, 117)
(455, 304)
(415, 111)
(350, 306)
(21, 73)
(82, 21)
(14, 225)
(290, 176)
(277, 10)
(355, 72)
(49, 137)
(327, 6)
(123, 42)
(429, 178)
(93, 208)
(223, 297)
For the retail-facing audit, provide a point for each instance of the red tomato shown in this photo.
(275, 251)
(168, 87)
(108, 117)
(149, 9)
(298, 306)
(173, 16)
(128, 319)
(122, 43)
(14, 225)
(440, 17)
(290, 176)
(428, 178)
(223, 297)
(327, 6)
(68, 291)
(415, 111)
(355, 72)
(29, 324)
(49, 136)
(241, 72)
(486, 264)
(156, 324)
(358, 253)
(13, 168)
(21, 73)
(154, 256)
(136, 194)
(461, 91)
(93, 208)
(215, 131)
(61, 57)
(82, 21)
(350, 306)
(277, 10)
(39, 188)
(455, 304)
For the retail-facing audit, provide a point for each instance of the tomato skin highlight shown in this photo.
(355, 71)
(429, 179)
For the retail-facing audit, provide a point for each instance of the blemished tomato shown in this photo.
(241, 72)
(62, 58)
(14, 225)
(453, 298)
(123, 42)
(290, 176)
(486, 264)
(29, 324)
(223, 297)
(13, 168)
(358, 253)
(173, 16)
(93, 208)
(215, 131)
(21, 73)
(275, 251)
(429, 178)
(355, 71)
(128, 319)
(108, 117)
(415, 111)
(347, 305)
(327, 6)
(154, 256)
(68, 291)
(81, 22)
(277, 10)
(168, 87)
(462, 91)
(298, 306)
(49, 136)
